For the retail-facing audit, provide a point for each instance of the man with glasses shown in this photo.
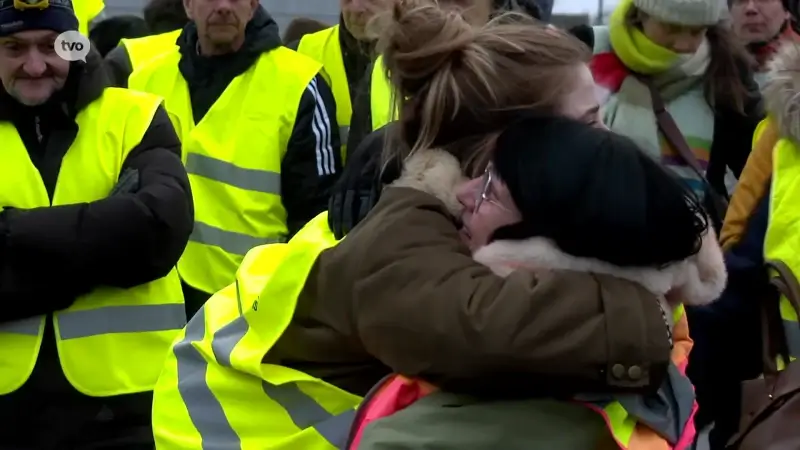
(762, 25)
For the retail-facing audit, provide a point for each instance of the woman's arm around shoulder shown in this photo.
(423, 306)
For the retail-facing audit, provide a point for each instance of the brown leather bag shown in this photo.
(771, 405)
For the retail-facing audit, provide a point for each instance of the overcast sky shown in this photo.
(581, 6)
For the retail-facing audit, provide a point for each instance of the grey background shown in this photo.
(282, 10)
(285, 10)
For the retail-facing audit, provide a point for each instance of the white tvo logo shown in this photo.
(72, 46)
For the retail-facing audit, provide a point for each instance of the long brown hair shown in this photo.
(729, 64)
(457, 82)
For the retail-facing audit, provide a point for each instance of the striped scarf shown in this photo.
(628, 108)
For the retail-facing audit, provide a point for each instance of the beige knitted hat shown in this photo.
(685, 12)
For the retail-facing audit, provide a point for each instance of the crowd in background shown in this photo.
(434, 224)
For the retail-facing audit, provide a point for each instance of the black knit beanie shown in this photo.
(55, 15)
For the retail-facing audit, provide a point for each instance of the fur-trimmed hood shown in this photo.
(782, 89)
(697, 280)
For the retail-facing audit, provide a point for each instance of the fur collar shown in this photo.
(782, 89)
(697, 280)
(436, 172)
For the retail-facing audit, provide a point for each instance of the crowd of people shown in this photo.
(436, 224)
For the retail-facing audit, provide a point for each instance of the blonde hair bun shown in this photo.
(419, 38)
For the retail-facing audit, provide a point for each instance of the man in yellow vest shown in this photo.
(165, 20)
(260, 141)
(346, 51)
(95, 210)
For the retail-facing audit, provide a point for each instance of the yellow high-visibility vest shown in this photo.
(782, 239)
(233, 157)
(324, 46)
(382, 97)
(86, 11)
(110, 341)
(144, 49)
(215, 388)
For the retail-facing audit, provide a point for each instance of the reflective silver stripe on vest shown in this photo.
(344, 133)
(230, 241)
(121, 319)
(225, 172)
(27, 327)
(206, 411)
(792, 330)
(666, 411)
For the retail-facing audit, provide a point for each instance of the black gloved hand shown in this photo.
(358, 189)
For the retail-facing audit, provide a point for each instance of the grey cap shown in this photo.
(685, 12)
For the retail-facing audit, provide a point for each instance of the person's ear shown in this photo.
(187, 7)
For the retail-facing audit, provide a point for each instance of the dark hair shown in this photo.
(302, 26)
(106, 34)
(163, 16)
(724, 78)
(595, 194)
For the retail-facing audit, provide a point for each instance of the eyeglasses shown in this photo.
(483, 194)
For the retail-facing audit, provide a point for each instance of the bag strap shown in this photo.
(670, 129)
(773, 337)
(675, 138)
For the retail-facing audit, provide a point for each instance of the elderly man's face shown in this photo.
(220, 23)
(758, 20)
(30, 69)
(358, 13)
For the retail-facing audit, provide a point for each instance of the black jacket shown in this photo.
(118, 65)
(305, 187)
(107, 33)
(51, 255)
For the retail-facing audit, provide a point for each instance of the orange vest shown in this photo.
(396, 392)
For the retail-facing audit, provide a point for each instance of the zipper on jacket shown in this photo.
(38, 123)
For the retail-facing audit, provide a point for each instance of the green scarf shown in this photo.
(633, 48)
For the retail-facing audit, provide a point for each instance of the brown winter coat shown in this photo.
(402, 293)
